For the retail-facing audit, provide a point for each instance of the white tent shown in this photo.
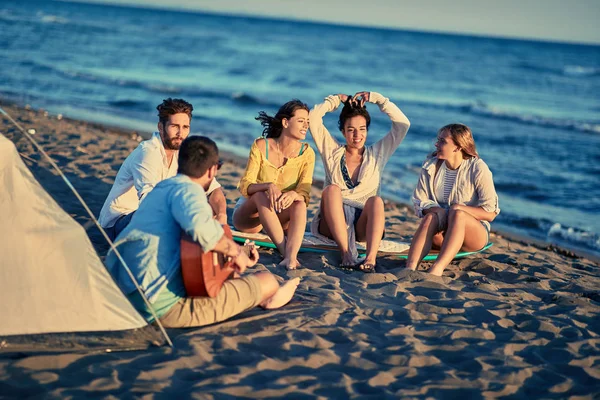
(51, 279)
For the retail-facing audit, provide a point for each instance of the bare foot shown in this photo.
(348, 260)
(289, 264)
(282, 296)
(436, 270)
(281, 247)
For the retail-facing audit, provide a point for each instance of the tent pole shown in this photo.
(87, 209)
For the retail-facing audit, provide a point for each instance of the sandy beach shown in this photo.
(521, 320)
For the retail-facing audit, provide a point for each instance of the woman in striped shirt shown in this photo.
(455, 197)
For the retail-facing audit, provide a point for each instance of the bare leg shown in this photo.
(283, 295)
(244, 219)
(370, 226)
(421, 242)
(295, 233)
(464, 231)
(268, 284)
(333, 223)
(273, 295)
(270, 221)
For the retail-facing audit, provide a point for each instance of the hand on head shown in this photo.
(360, 98)
(343, 97)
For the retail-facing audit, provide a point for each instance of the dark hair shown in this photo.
(273, 125)
(353, 110)
(171, 107)
(196, 155)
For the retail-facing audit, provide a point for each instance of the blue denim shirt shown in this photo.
(150, 244)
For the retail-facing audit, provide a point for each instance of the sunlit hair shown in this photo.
(196, 155)
(462, 137)
(171, 107)
(351, 110)
(273, 125)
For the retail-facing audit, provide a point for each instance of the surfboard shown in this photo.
(433, 254)
(314, 244)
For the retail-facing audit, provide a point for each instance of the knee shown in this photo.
(456, 215)
(430, 218)
(299, 205)
(260, 198)
(455, 211)
(268, 284)
(332, 191)
(375, 203)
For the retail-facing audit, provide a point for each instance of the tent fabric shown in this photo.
(51, 279)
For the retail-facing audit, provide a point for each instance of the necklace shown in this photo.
(278, 152)
(281, 157)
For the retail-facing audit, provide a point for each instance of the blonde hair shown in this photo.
(462, 137)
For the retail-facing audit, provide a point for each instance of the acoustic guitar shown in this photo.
(205, 272)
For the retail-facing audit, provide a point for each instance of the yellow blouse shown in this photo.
(296, 174)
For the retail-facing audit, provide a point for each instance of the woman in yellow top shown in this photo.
(277, 181)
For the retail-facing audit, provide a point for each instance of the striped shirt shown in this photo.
(444, 183)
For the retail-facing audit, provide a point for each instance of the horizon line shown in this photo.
(331, 23)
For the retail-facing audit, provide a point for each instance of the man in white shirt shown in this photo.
(152, 161)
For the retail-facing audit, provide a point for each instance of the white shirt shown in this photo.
(141, 171)
(374, 158)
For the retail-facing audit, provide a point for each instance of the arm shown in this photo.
(190, 208)
(477, 212)
(421, 198)
(442, 215)
(385, 147)
(252, 169)
(146, 171)
(323, 140)
(488, 199)
(240, 259)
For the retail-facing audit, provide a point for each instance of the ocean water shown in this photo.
(534, 107)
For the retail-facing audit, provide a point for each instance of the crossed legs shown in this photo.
(236, 296)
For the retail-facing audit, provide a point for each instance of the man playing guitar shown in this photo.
(150, 246)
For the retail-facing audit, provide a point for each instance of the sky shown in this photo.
(553, 20)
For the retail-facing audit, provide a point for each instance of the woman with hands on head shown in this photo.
(351, 208)
(456, 198)
(277, 181)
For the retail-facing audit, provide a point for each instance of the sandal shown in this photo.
(360, 267)
(367, 268)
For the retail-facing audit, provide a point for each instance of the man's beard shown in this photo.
(173, 143)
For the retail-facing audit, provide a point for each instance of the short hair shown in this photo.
(171, 107)
(350, 110)
(274, 125)
(196, 155)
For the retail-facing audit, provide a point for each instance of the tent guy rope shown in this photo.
(85, 206)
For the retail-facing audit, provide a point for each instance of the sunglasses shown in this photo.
(219, 164)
